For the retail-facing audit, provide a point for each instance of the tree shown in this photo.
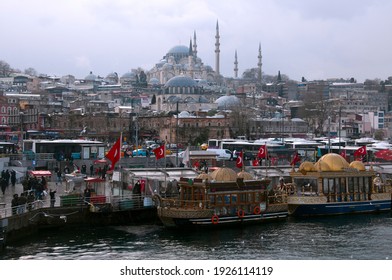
(5, 69)
(250, 74)
(31, 71)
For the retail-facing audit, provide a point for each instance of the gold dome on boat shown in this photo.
(204, 176)
(245, 175)
(331, 162)
(358, 165)
(224, 174)
(306, 166)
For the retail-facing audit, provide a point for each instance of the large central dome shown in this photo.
(178, 50)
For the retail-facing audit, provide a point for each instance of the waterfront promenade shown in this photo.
(6, 199)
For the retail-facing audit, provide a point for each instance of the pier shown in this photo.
(69, 210)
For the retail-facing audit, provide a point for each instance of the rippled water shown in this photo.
(350, 237)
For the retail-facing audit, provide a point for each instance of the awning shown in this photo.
(40, 173)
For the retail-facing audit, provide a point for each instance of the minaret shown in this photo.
(235, 65)
(194, 44)
(190, 59)
(259, 64)
(217, 50)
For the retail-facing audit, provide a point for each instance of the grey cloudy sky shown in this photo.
(317, 39)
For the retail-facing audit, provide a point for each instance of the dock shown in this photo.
(30, 218)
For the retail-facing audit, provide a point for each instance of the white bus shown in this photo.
(66, 148)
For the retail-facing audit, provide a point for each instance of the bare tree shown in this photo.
(5, 69)
(31, 71)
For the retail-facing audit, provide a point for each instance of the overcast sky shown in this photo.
(317, 39)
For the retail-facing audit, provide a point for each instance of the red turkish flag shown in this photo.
(114, 153)
(360, 153)
(239, 161)
(159, 152)
(296, 159)
(262, 152)
(255, 162)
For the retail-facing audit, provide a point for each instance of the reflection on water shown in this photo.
(348, 237)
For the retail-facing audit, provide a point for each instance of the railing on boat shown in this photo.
(116, 203)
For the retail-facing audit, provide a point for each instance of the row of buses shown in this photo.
(282, 150)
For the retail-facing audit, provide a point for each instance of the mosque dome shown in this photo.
(154, 81)
(90, 77)
(167, 66)
(129, 76)
(184, 114)
(224, 174)
(358, 165)
(245, 175)
(181, 81)
(331, 162)
(227, 101)
(180, 49)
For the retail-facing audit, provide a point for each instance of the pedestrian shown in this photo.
(14, 203)
(52, 194)
(59, 179)
(3, 184)
(13, 178)
(91, 169)
(87, 194)
(22, 201)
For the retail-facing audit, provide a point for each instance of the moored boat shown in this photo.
(220, 198)
(332, 186)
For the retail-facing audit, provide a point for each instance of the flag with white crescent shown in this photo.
(159, 152)
(262, 151)
(239, 161)
(114, 153)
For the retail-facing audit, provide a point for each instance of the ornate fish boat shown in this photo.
(220, 198)
(332, 186)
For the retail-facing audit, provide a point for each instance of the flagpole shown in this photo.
(266, 157)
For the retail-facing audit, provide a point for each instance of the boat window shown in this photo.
(306, 186)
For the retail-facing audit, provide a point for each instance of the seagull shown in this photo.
(83, 131)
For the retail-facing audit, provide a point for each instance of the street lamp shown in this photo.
(21, 120)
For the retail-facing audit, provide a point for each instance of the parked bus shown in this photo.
(66, 148)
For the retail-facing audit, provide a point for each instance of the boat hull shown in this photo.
(177, 218)
(338, 208)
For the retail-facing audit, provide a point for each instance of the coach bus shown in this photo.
(66, 148)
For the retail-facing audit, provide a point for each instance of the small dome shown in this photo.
(335, 162)
(245, 175)
(154, 81)
(181, 81)
(224, 174)
(358, 165)
(204, 176)
(306, 166)
(184, 114)
(90, 77)
(321, 166)
(227, 101)
(129, 76)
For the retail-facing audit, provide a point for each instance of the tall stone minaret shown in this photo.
(194, 45)
(235, 65)
(259, 64)
(217, 50)
(190, 59)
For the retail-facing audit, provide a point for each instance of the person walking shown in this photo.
(13, 177)
(52, 195)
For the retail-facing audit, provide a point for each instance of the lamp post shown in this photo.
(177, 135)
(21, 120)
(329, 134)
